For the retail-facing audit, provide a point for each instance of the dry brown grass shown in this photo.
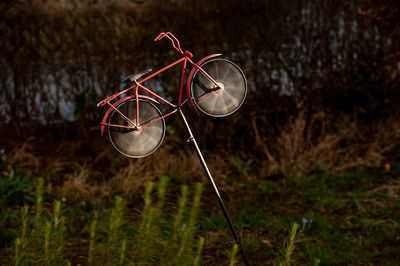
(22, 159)
(104, 173)
(80, 170)
(392, 188)
(76, 185)
(292, 154)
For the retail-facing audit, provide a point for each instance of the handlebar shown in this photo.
(172, 38)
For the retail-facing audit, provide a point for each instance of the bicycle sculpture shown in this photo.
(136, 126)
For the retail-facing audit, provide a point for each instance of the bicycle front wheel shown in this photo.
(136, 143)
(211, 99)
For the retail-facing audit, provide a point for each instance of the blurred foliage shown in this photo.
(322, 75)
(317, 139)
(113, 236)
(15, 191)
(340, 57)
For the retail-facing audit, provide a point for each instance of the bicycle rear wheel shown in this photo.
(132, 142)
(224, 101)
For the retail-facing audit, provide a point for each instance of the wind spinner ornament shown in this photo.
(136, 126)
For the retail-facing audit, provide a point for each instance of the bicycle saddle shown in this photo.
(136, 76)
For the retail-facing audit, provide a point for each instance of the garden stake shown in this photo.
(221, 203)
(136, 127)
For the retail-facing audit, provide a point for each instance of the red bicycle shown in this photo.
(136, 126)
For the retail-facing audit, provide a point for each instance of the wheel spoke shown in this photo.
(139, 146)
(216, 72)
(228, 70)
(223, 108)
(223, 102)
(228, 95)
(140, 143)
(215, 102)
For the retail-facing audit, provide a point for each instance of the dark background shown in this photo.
(324, 94)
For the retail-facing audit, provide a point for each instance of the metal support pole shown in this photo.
(221, 203)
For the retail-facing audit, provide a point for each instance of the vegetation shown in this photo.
(109, 236)
(349, 217)
(308, 167)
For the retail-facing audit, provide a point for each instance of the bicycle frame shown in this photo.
(135, 125)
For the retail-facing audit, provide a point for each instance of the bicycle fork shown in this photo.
(215, 189)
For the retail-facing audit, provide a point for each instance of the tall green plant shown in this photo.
(39, 200)
(233, 259)
(159, 237)
(115, 220)
(180, 210)
(92, 232)
(20, 242)
(189, 229)
(286, 257)
(44, 242)
(200, 245)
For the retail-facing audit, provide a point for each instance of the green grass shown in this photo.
(355, 216)
(346, 218)
(47, 234)
(324, 219)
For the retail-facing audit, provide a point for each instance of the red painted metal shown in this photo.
(182, 80)
(195, 67)
(162, 70)
(172, 38)
(112, 97)
(113, 107)
(204, 73)
(143, 126)
(188, 54)
(123, 116)
(138, 85)
(157, 96)
(137, 105)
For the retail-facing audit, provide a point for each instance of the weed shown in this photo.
(233, 260)
(241, 166)
(46, 240)
(180, 210)
(39, 199)
(199, 250)
(115, 221)
(17, 252)
(339, 216)
(289, 246)
(189, 228)
(15, 190)
(92, 240)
